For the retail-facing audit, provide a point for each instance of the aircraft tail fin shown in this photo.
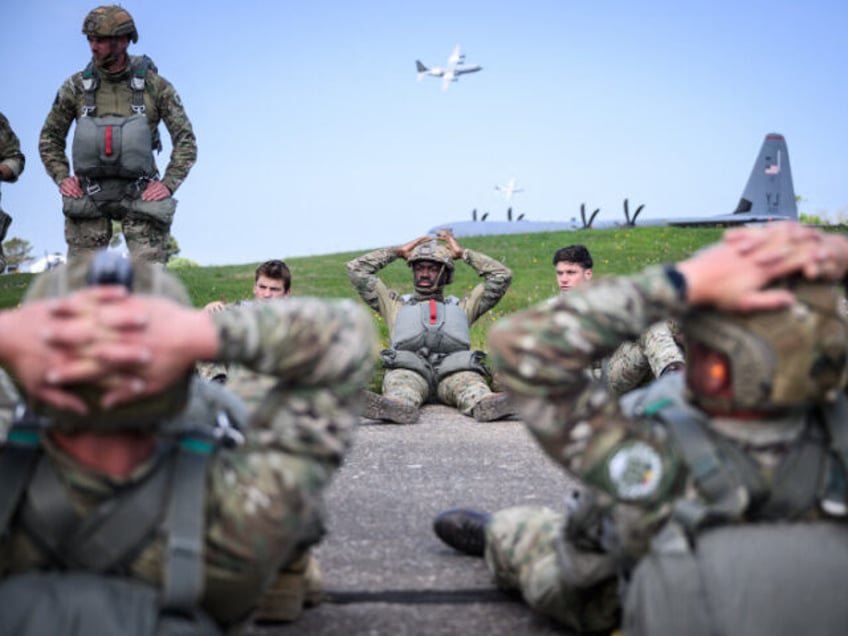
(420, 67)
(769, 190)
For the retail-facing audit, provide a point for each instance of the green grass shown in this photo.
(615, 251)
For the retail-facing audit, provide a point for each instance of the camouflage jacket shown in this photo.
(264, 498)
(10, 149)
(485, 295)
(631, 461)
(114, 95)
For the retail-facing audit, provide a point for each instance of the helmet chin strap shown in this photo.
(430, 292)
(113, 58)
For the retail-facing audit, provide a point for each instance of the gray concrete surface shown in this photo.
(385, 572)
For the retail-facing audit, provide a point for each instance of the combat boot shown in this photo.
(494, 406)
(298, 585)
(463, 529)
(380, 407)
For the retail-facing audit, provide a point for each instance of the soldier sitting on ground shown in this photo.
(128, 491)
(637, 362)
(715, 504)
(271, 280)
(429, 355)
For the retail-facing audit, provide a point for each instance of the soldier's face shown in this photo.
(570, 275)
(426, 273)
(108, 51)
(266, 288)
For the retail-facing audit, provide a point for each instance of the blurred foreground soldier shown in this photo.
(117, 102)
(12, 162)
(429, 355)
(715, 505)
(133, 494)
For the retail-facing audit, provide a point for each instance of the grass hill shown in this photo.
(615, 251)
(529, 257)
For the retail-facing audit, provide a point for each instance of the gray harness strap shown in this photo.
(17, 461)
(138, 72)
(721, 485)
(106, 538)
(185, 524)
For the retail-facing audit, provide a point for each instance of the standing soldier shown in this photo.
(430, 352)
(12, 162)
(117, 102)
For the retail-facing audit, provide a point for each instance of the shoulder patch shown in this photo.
(635, 471)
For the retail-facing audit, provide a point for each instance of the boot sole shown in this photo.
(378, 407)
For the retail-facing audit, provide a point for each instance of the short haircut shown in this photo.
(277, 270)
(574, 254)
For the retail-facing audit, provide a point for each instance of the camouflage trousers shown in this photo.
(461, 390)
(146, 240)
(637, 363)
(526, 550)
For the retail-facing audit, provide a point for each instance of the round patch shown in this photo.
(635, 471)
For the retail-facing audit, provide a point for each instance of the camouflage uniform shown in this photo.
(635, 364)
(11, 157)
(463, 389)
(264, 498)
(567, 563)
(146, 236)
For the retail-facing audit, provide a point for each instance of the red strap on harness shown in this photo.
(432, 312)
(108, 140)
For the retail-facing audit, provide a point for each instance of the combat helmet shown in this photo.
(437, 253)
(769, 361)
(146, 279)
(109, 21)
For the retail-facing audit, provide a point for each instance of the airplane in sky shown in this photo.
(451, 72)
(768, 196)
(508, 190)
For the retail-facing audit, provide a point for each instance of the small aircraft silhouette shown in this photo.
(451, 72)
(509, 189)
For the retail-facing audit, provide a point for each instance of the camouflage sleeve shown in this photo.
(54, 132)
(265, 498)
(660, 347)
(362, 273)
(627, 368)
(183, 141)
(10, 149)
(634, 364)
(541, 353)
(320, 352)
(496, 280)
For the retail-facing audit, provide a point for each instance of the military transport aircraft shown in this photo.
(509, 189)
(451, 72)
(768, 196)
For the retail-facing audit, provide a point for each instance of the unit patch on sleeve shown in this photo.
(635, 471)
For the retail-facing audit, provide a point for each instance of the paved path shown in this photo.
(385, 572)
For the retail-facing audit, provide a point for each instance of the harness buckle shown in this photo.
(26, 427)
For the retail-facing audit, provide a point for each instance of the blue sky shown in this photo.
(315, 137)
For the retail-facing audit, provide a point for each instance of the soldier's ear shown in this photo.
(587, 274)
